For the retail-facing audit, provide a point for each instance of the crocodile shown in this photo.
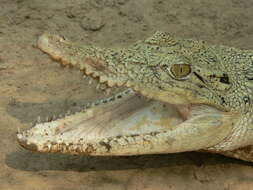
(179, 95)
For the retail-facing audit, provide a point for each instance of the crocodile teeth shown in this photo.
(110, 83)
(120, 83)
(38, 119)
(94, 75)
(128, 84)
(108, 91)
(102, 79)
(136, 88)
(88, 71)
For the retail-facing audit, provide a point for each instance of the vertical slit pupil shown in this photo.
(180, 70)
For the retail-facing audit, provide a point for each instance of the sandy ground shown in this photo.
(31, 84)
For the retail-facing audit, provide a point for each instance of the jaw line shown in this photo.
(125, 117)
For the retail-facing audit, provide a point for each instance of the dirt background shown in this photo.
(31, 84)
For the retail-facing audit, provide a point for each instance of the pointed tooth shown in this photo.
(88, 71)
(108, 91)
(110, 83)
(103, 86)
(94, 74)
(49, 146)
(102, 79)
(120, 83)
(82, 67)
(98, 86)
(38, 119)
(90, 81)
(19, 129)
(128, 84)
(136, 88)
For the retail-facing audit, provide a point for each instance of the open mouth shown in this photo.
(126, 120)
(126, 123)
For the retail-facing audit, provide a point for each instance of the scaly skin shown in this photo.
(201, 100)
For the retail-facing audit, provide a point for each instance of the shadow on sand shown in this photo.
(31, 161)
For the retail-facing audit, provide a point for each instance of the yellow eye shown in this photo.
(180, 71)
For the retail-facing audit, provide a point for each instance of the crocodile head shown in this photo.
(189, 106)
